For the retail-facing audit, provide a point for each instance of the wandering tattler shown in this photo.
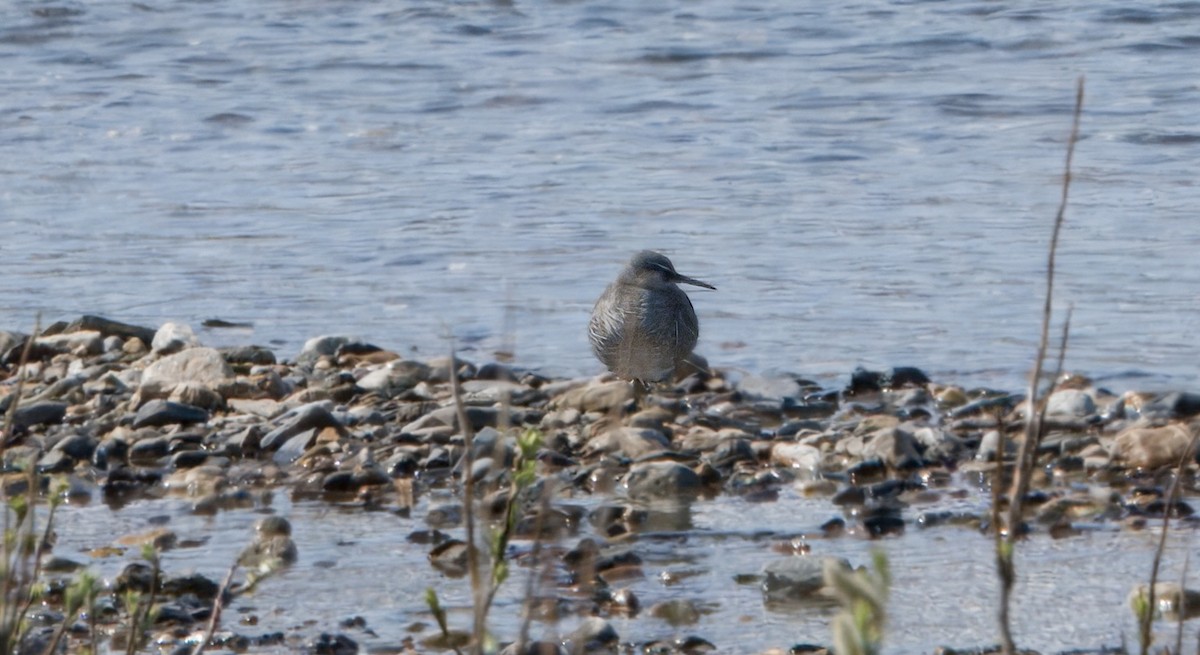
(643, 325)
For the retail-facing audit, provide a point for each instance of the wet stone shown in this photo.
(662, 480)
(158, 412)
(795, 578)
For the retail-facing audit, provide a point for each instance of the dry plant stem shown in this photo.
(1145, 622)
(215, 619)
(534, 576)
(1033, 423)
(138, 617)
(1187, 557)
(477, 592)
(39, 549)
(52, 647)
(16, 399)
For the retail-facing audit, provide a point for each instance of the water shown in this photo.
(1071, 593)
(867, 183)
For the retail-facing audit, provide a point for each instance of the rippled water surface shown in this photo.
(866, 183)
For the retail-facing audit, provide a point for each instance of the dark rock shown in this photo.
(884, 524)
(248, 355)
(165, 412)
(594, 634)
(150, 448)
(1177, 404)
(187, 459)
(450, 558)
(110, 453)
(194, 584)
(77, 446)
(340, 482)
(331, 644)
(137, 577)
(39, 413)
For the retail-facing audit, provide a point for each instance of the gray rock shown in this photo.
(295, 445)
(203, 366)
(894, 446)
(55, 461)
(164, 412)
(796, 578)
(172, 338)
(315, 415)
(648, 480)
(630, 442)
(1070, 404)
(480, 417)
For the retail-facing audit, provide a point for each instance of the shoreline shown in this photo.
(119, 413)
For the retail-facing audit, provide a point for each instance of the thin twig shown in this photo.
(11, 414)
(1027, 454)
(215, 619)
(1145, 621)
(535, 575)
(1183, 608)
(477, 592)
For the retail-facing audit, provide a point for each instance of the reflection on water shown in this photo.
(1071, 593)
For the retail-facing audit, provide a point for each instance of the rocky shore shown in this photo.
(102, 411)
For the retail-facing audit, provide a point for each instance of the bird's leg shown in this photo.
(639, 394)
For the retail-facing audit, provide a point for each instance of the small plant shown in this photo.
(862, 594)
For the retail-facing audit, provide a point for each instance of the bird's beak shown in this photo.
(693, 281)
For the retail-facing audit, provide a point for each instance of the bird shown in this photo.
(643, 325)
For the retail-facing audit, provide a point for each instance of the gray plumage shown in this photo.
(643, 325)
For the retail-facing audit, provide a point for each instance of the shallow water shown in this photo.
(866, 183)
(1071, 592)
